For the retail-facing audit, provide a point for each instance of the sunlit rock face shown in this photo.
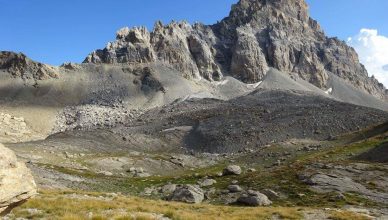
(16, 182)
(256, 35)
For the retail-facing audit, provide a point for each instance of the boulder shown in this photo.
(254, 198)
(187, 194)
(207, 182)
(234, 188)
(232, 170)
(142, 175)
(16, 182)
(168, 189)
(270, 194)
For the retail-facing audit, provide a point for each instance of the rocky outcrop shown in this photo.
(13, 129)
(16, 182)
(19, 65)
(354, 178)
(177, 44)
(256, 35)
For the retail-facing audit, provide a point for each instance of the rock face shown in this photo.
(188, 194)
(16, 182)
(178, 44)
(256, 35)
(21, 66)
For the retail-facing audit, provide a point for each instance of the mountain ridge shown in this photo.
(256, 35)
(261, 108)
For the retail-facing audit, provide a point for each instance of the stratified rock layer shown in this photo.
(256, 35)
(16, 182)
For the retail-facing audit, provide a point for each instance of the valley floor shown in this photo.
(345, 178)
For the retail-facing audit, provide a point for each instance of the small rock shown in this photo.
(270, 194)
(139, 170)
(68, 155)
(234, 182)
(168, 189)
(225, 191)
(105, 173)
(207, 182)
(142, 175)
(148, 191)
(251, 170)
(234, 188)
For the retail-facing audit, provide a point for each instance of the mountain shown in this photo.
(261, 108)
(257, 34)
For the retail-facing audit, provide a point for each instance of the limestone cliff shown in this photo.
(256, 35)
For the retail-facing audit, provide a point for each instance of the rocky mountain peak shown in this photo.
(251, 9)
(256, 35)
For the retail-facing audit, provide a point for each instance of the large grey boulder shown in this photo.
(16, 182)
(254, 198)
(187, 194)
(232, 170)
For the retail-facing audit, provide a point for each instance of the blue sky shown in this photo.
(55, 31)
(345, 18)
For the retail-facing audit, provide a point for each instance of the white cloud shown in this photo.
(373, 51)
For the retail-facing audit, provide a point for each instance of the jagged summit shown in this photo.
(249, 11)
(256, 35)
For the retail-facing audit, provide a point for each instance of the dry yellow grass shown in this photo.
(345, 215)
(75, 206)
